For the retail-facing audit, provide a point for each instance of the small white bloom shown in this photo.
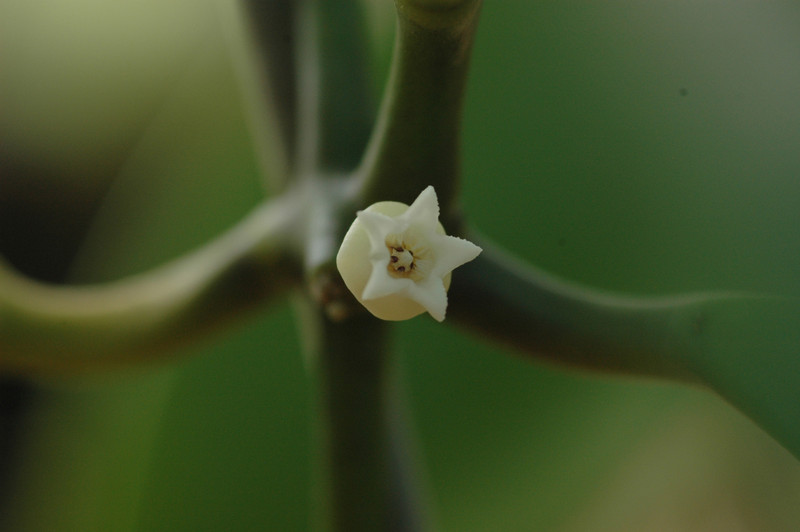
(396, 259)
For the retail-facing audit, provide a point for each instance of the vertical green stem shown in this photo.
(364, 484)
(335, 111)
(362, 487)
(272, 26)
(353, 377)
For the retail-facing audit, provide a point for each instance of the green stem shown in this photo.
(272, 26)
(55, 328)
(416, 139)
(261, 39)
(549, 318)
(361, 488)
(746, 347)
(335, 113)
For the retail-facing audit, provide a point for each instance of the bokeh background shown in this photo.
(638, 147)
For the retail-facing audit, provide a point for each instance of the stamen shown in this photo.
(401, 260)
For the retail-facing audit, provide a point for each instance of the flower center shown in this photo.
(401, 260)
(407, 256)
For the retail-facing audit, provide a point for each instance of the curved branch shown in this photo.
(744, 347)
(56, 328)
(416, 139)
(545, 317)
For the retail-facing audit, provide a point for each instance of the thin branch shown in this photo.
(56, 328)
(273, 25)
(261, 40)
(416, 139)
(335, 112)
(745, 347)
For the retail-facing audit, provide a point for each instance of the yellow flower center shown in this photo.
(401, 260)
(404, 258)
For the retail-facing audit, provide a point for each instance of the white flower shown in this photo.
(396, 259)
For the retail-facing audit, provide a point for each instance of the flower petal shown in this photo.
(424, 211)
(451, 252)
(431, 294)
(378, 226)
(381, 284)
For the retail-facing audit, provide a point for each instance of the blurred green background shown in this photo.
(640, 147)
